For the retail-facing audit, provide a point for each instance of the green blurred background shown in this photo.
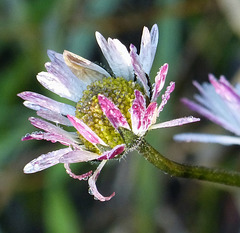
(196, 38)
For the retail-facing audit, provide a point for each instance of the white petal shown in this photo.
(117, 56)
(208, 138)
(45, 161)
(77, 156)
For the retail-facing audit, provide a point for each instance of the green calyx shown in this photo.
(121, 93)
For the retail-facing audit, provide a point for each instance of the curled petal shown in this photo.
(117, 150)
(166, 96)
(138, 69)
(175, 122)
(159, 82)
(45, 161)
(74, 176)
(137, 111)
(92, 184)
(208, 138)
(85, 131)
(112, 112)
(77, 156)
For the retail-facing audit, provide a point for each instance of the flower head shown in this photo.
(218, 101)
(102, 105)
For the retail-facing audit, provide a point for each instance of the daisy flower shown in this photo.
(102, 104)
(219, 102)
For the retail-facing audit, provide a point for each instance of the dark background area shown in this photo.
(196, 38)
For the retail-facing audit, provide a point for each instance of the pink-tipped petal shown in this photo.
(137, 111)
(77, 156)
(166, 96)
(117, 150)
(138, 68)
(159, 82)
(92, 184)
(175, 122)
(74, 176)
(112, 112)
(85, 131)
(150, 116)
(45, 161)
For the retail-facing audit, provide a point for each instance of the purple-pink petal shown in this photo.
(176, 122)
(117, 150)
(85, 131)
(112, 112)
(159, 82)
(45, 161)
(150, 115)
(92, 184)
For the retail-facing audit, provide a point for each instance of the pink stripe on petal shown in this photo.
(45, 161)
(74, 176)
(85, 131)
(112, 112)
(137, 111)
(117, 150)
(150, 115)
(92, 184)
(166, 96)
(159, 81)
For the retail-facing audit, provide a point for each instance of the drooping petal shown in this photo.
(84, 69)
(138, 69)
(46, 103)
(117, 56)
(208, 138)
(92, 184)
(45, 161)
(137, 111)
(148, 47)
(54, 117)
(77, 156)
(85, 131)
(74, 176)
(117, 150)
(159, 82)
(166, 96)
(175, 122)
(54, 133)
(112, 112)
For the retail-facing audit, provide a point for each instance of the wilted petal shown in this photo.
(84, 69)
(166, 96)
(77, 156)
(45, 161)
(46, 103)
(148, 47)
(74, 176)
(175, 122)
(117, 150)
(117, 56)
(92, 184)
(208, 138)
(112, 112)
(137, 111)
(159, 82)
(85, 131)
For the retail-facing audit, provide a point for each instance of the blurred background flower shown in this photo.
(196, 38)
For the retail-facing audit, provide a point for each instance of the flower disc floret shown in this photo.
(121, 93)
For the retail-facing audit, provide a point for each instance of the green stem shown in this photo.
(187, 171)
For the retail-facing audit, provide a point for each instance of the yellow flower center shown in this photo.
(121, 93)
